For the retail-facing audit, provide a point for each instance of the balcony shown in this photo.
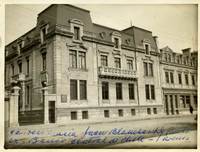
(18, 77)
(114, 73)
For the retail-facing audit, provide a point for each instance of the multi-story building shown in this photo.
(90, 71)
(179, 80)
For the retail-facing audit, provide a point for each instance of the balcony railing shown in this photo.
(18, 77)
(114, 72)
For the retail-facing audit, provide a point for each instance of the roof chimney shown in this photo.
(157, 43)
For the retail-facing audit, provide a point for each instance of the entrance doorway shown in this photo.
(166, 105)
(51, 111)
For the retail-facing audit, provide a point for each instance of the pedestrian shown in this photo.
(191, 109)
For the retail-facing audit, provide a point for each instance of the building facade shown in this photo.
(79, 70)
(179, 80)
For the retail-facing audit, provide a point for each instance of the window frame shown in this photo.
(104, 60)
(105, 90)
(82, 57)
(117, 62)
(119, 91)
(82, 85)
(180, 78)
(131, 88)
(129, 64)
(77, 35)
(73, 96)
(186, 79)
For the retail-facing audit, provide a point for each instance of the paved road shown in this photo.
(110, 135)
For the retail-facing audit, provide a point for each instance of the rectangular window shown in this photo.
(172, 77)
(121, 113)
(179, 78)
(117, 63)
(167, 77)
(73, 58)
(76, 33)
(84, 114)
(116, 43)
(27, 65)
(106, 114)
(44, 61)
(146, 69)
(193, 80)
(43, 34)
(104, 60)
(83, 89)
(20, 67)
(148, 111)
(73, 115)
(119, 91)
(105, 90)
(133, 113)
(12, 69)
(131, 91)
(130, 64)
(150, 69)
(186, 79)
(147, 48)
(27, 95)
(176, 101)
(155, 110)
(152, 92)
(73, 89)
(82, 60)
(147, 92)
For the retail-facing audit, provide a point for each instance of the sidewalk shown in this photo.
(104, 121)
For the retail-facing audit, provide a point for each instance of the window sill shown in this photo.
(78, 101)
(117, 49)
(78, 69)
(151, 100)
(78, 41)
(147, 55)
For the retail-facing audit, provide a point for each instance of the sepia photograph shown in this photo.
(101, 76)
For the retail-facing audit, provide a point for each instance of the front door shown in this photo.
(51, 111)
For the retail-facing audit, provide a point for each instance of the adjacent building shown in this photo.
(79, 70)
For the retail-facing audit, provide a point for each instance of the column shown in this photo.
(46, 104)
(23, 96)
(13, 117)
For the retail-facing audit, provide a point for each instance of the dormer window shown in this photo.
(147, 48)
(116, 39)
(76, 33)
(77, 29)
(116, 43)
(20, 45)
(43, 33)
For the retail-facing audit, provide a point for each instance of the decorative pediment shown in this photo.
(146, 41)
(76, 21)
(77, 47)
(115, 33)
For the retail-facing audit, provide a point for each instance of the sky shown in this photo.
(175, 25)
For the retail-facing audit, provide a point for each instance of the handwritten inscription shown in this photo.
(92, 136)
